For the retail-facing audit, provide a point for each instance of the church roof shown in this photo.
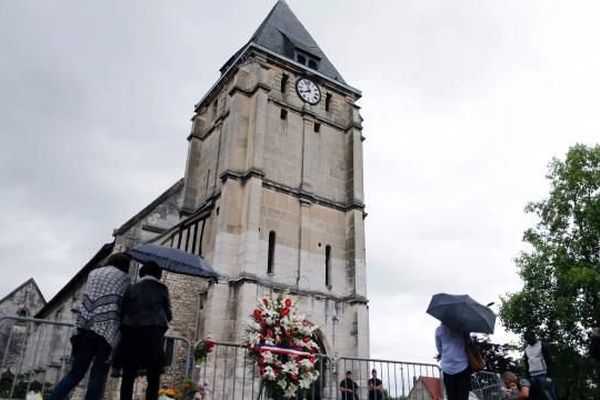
(29, 281)
(282, 33)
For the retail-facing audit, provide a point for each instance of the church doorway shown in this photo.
(323, 365)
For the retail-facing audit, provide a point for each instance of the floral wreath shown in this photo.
(282, 344)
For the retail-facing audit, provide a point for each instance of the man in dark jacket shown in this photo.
(349, 388)
(146, 316)
(375, 387)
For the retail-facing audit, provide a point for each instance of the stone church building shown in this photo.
(24, 301)
(272, 197)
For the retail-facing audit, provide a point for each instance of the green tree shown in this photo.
(498, 357)
(561, 271)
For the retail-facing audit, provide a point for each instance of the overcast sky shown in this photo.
(465, 103)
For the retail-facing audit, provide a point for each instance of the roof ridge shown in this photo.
(21, 286)
(263, 23)
(282, 32)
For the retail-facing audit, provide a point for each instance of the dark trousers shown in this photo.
(88, 348)
(142, 351)
(457, 385)
(129, 374)
(541, 388)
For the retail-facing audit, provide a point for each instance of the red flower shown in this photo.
(288, 303)
(210, 345)
(284, 311)
(257, 314)
(266, 302)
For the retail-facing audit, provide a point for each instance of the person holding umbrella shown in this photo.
(459, 316)
(146, 315)
(451, 347)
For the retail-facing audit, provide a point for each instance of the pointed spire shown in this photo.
(282, 33)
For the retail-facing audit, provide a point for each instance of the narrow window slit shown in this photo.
(327, 101)
(271, 253)
(328, 266)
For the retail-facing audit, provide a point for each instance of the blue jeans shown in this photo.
(540, 382)
(88, 348)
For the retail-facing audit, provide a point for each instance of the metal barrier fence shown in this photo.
(230, 374)
(37, 353)
(400, 380)
(486, 386)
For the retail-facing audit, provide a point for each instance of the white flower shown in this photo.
(267, 357)
(310, 376)
(269, 374)
(290, 391)
(305, 382)
(282, 383)
(306, 363)
(289, 367)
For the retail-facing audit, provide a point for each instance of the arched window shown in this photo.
(328, 266)
(271, 255)
(23, 312)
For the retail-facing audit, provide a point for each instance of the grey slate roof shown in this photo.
(281, 32)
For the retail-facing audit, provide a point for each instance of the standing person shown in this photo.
(146, 316)
(451, 347)
(375, 386)
(349, 388)
(97, 328)
(538, 363)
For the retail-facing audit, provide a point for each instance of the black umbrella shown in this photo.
(462, 313)
(173, 260)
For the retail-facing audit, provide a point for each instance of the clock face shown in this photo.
(308, 91)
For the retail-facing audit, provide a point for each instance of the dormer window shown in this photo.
(301, 59)
(306, 59)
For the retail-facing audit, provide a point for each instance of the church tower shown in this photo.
(273, 188)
